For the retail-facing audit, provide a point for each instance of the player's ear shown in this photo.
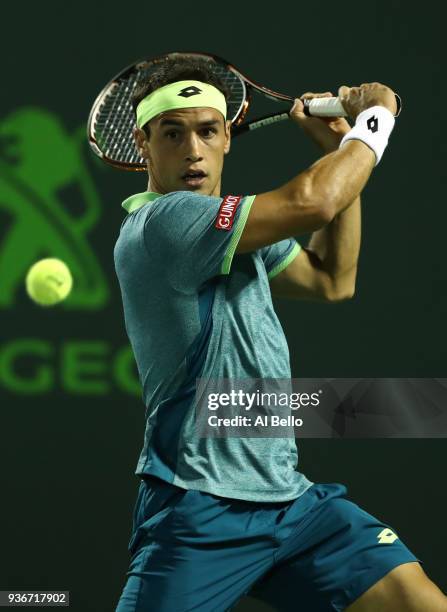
(141, 142)
(227, 137)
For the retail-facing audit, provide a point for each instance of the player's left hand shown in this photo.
(326, 132)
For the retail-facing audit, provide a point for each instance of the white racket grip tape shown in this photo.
(332, 107)
(324, 107)
(373, 127)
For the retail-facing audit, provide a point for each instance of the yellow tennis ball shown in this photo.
(49, 281)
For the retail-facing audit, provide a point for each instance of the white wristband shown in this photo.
(373, 126)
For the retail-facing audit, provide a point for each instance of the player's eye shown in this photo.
(172, 134)
(209, 132)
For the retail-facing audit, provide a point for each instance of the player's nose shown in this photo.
(193, 147)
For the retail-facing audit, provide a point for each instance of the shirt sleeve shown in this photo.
(278, 256)
(194, 237)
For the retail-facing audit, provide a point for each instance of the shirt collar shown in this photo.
(138, 200)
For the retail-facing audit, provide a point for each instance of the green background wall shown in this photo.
(68, 451)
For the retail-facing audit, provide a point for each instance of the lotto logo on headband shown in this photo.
(227, 211)
(187, 92)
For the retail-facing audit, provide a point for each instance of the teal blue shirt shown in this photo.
(193, 309)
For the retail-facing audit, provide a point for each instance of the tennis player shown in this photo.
(218, 518)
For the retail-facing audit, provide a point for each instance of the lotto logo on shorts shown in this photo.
(227, 211)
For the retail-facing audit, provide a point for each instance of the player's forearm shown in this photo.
(335, 180)
(337, 246)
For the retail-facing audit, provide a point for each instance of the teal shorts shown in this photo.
(196, 552)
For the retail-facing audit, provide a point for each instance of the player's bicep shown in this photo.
(277, 215)
(303, 279)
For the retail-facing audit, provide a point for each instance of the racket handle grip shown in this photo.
(332, 107)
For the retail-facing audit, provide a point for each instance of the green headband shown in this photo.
(181, 94)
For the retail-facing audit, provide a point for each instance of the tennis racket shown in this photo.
(112, 119)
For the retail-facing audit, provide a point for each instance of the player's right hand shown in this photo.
(357, 99)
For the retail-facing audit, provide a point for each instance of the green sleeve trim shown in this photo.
(237, 233)
(285, 262)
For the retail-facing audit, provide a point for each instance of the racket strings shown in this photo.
(236, 87)
(115, 119)
(115, 123)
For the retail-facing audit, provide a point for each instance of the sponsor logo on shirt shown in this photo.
(387, 536)
(227, 211)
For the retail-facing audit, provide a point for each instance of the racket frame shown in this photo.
(247, 84)
(237, 125)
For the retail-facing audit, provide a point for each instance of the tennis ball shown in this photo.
(48, 281)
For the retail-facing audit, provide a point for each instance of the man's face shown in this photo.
(185, 150)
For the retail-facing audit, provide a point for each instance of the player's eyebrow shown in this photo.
(209, 123)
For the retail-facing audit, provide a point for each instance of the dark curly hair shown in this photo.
(178, 69)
